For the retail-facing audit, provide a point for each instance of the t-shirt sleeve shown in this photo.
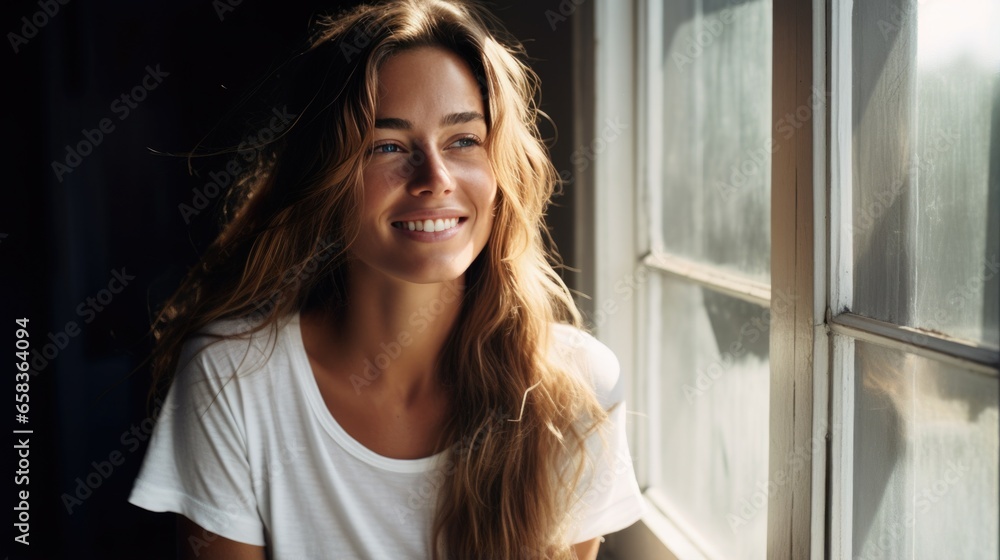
(608, 496)
(197, 462)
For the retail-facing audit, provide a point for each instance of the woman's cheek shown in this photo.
(385, 173)
(478, 177)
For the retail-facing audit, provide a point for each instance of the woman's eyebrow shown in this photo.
(462, 118)
(449, 120)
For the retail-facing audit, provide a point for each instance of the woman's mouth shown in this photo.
(429, 226)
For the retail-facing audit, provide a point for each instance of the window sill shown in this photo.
(654, 537)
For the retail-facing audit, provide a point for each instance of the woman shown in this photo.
(375, 359)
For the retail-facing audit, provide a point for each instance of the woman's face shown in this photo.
(429, 188)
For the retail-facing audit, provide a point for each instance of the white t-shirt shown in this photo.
(259, 459)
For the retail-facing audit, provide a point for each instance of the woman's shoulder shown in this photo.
(242, 327)
(241, 342)
(582, 353)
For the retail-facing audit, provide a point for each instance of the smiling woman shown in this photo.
(425, 390)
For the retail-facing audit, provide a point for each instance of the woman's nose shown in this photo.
(430, 175)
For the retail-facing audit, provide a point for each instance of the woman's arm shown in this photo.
(196, 543)
(587, 550)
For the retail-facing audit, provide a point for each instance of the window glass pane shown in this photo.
(925, 459)
(926, 159)
(715, 157)
(711, 352)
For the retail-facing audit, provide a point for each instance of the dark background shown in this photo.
(62, 241)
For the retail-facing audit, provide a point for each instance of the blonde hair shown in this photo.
(513, 481)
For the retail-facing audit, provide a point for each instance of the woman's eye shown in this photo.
(386, 149)
(467, 142)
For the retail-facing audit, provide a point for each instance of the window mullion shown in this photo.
(841, 280)
(842, 450)
(914, 341)
(793, 438)
(710, 276)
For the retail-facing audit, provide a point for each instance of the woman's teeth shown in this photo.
(430, 226)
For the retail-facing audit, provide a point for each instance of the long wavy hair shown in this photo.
(516, 436)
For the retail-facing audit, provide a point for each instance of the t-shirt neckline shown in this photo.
(308, 379)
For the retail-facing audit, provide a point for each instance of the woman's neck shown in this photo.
(389, 336)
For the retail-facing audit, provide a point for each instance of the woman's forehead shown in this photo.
(424, 83)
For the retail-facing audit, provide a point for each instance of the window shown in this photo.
(802, 281)
(916, 307)
(707, 225)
